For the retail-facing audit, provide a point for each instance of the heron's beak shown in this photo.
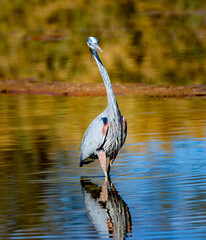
(97, 48)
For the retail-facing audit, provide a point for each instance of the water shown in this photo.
(157, 188)
(158, 179)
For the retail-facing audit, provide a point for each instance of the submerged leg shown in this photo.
(103, 161)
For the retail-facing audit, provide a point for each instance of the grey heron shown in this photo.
(107, 132)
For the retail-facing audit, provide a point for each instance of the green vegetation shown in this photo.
(158, 42)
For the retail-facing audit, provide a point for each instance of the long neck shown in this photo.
(110, 94)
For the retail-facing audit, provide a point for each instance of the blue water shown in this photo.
(158, 177)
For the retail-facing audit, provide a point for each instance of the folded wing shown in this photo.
(93, 139)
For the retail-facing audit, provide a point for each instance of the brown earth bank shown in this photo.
(29, 86)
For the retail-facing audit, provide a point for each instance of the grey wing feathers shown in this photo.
(93, 138)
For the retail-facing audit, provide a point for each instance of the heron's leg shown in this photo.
(103, 161)
(110, 165)
(110, 162)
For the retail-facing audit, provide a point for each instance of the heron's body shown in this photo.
(107, 132)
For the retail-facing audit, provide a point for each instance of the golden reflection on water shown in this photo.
(26, 119)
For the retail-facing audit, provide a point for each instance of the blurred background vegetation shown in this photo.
(154, 42)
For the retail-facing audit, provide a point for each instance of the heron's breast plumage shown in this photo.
(113, 141)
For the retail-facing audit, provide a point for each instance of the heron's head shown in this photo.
(92, 43)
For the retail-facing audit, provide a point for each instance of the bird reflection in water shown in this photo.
(106, 209)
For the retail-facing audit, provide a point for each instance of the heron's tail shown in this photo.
(81, 161)
(85, 161)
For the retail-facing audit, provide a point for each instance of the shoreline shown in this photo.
(29, 86)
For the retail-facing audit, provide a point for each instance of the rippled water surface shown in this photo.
(157, 188)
